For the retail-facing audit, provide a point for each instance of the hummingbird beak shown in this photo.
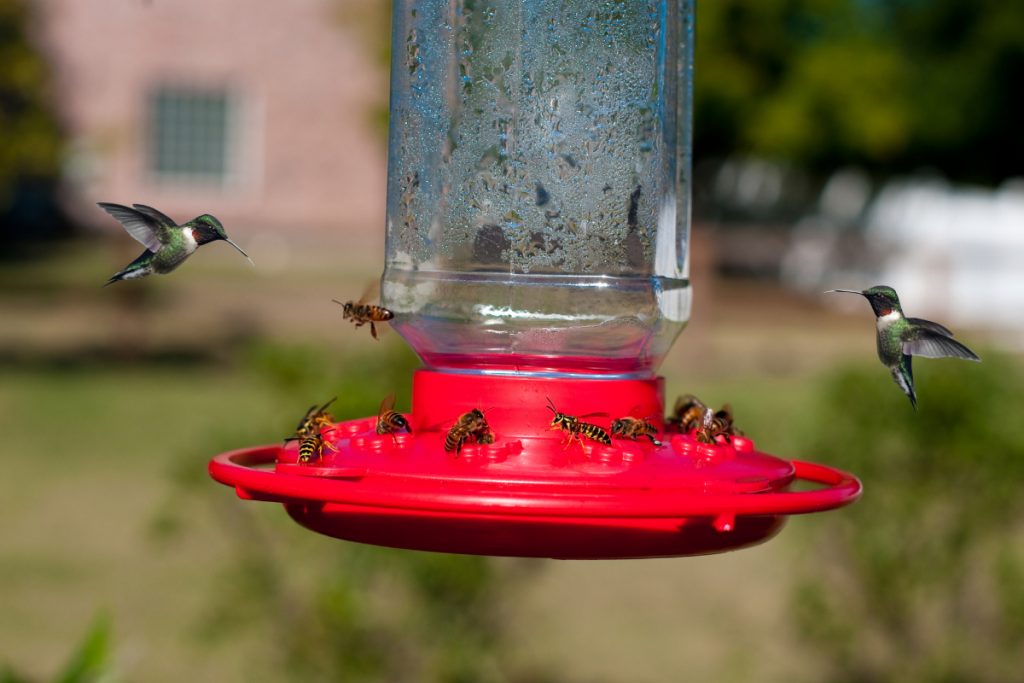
(228, 240)
(847, 291)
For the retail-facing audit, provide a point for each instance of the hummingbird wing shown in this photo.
(929, 325)
(163, 219)
(145, 229)
(927, 343)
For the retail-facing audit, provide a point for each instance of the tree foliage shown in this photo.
(30, 137)
(889, 84)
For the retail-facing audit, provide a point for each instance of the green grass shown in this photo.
(105, 506)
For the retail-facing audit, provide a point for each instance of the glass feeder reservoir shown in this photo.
(538, 183)
(536, 260)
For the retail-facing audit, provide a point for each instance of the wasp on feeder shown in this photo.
(714, 424)
(314, 420)
(312, 447)
(389, 420)
(687, 413)
(635, 428)
(690, 413)
(362, 313)
(576, 428)
(471, 426)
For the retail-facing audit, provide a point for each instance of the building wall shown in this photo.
(311, 164)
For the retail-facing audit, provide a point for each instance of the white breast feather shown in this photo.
(190, 241)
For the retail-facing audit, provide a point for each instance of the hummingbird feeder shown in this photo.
(537, 261)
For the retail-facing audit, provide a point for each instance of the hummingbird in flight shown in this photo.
(167, 243)
(900, 338)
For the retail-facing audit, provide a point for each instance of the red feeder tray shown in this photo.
(530, 494)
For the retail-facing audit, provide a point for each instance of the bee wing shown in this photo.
(598, 414)
(688, 400)
(309, 413)
(371, 290)
(387, 404)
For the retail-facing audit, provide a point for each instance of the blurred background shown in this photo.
(838, 143)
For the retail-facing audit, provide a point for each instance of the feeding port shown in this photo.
(531, 493)
(538, 220)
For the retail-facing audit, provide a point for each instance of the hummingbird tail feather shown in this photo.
(903, 374)
(140, 267)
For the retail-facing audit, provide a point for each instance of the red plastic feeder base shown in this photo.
(530, 493)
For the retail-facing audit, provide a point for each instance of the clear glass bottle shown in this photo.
(539, 183)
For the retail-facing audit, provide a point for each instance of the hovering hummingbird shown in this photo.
(899, 338)
(167, 243)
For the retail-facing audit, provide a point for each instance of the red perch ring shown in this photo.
(530, 494)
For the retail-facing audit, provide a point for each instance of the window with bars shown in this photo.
(190, 135)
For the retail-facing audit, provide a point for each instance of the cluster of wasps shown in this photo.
(634, 428)
(690, 413)
(308, 432)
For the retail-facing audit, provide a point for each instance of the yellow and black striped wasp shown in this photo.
(390, 421)
(469, 426)
(688, 413)
(576, 428)
(361, 313)
(311, 447)
(314, 420)
(717, 423)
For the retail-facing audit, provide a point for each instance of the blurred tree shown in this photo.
(889, 84)
(922, 581)
(30, 138)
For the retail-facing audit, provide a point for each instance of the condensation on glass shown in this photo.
(539, 183)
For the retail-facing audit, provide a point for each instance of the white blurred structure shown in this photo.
(953, 253)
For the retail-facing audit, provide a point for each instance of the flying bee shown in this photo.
(469, 426)
(576, 428)
(687, 413)
(361, 313)
(314, 420)
(388, 420)
(635, 428)
(312, 447)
